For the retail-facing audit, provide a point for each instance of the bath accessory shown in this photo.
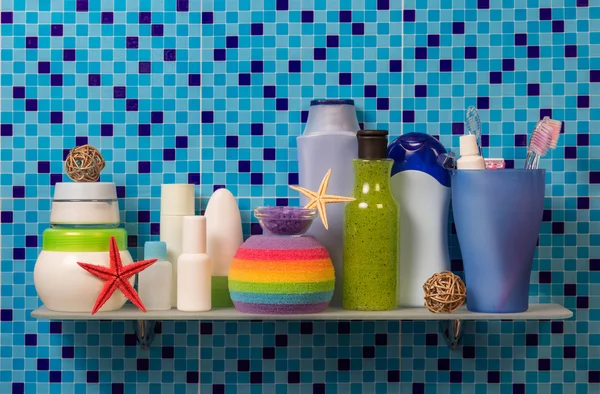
(83, 204)
(371, 230)
(281, 275)
(84, 164)
(154, 283)
(329, 142)
(285, 221)
(195, 268)
(473, 126)
(117, 277)
(498, 216)
(545, 136)
(176, 201)
(422, 190)
(320, 198)
(444, 292)
(469, 154)
(223, 238)
(60, 283)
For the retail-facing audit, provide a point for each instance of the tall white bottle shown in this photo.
(422, 190)
(194, 268)
(155, 282)
(329, 143)
(176, 201)
(223, 239)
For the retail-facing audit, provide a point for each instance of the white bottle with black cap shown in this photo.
(469, 154)
(176, 201)
(194, 268)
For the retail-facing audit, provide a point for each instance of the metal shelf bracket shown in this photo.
(145, 331)
(452, 331)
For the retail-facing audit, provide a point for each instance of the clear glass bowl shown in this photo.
(285, 221)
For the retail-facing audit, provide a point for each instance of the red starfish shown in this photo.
(117, 277)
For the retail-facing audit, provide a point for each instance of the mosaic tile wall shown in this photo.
(214, 93)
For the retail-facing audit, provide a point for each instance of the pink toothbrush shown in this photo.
(545, 136)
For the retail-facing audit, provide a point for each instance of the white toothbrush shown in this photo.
(473, 125)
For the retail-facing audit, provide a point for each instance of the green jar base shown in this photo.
(220, 292)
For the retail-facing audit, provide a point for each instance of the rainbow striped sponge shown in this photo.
(278, 275)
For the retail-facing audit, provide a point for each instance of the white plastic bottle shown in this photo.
(154, 283)
(223, 239)
(469, 154)
(176, 201)
(194, 268)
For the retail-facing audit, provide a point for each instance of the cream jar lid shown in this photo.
(85, 191)
(83, 240)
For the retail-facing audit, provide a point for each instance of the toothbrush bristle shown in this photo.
(541, 138)
(556, 126)
(472, 121)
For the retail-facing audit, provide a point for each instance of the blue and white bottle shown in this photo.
(421, 188)
(329, 142)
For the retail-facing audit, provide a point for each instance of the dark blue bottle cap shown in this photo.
(418, 152)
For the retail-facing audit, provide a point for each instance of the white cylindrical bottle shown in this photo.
(194, 268)
(176, 201)
(469, 154)
(155, 282)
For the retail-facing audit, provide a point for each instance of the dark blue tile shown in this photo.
(282, 5)
(208, 117)
(483, 103)
(55, 376)
(6, 17)
(293, 178)
(345, 16)
(445, 65)
(43, 67)
(345, 78)
(483, 4)
(56, 80)
(144, 167)
(307, 16)
(256, 129)
(56, 117)
(183, 5)
(583, 139)
(383, 103)
(508, 64)
(243, 166)
(6, 130)
(231, 141)
(458, 27)
(69, 55)
(493, 377)
(107, 18)
(145, 18)
(170, 55)
(558, 26)
(358, 28)
(145, 67)
(545, 14)
(119, 92)
(257, 66)
(533, 52)
(333, 41)
(219, 55)
(208, 18)
(193, 179)
(18, 191)
(281, 104)
(158, 30)
(370, 91)
(583, 101)
(244, 79)
(194, 79)
(420, 90)
(396, 66)
(496, 77)
(256, 29)
(55, 327)
(570, 152)
(6, 315)
(18, 388)
(470, 52)
(181, 141)
(156, 117)
(269, 154)
(408, 116)
(433, 40)
(43, 364)
(18, 92)
(409, 15)
(521, 39)
(131, 105)
(320, 54)
(231, 41)
(256, 178)
(570, 50)
(583, 203)
(31, 42)
(30, 339)
(421, 53)
(168, 154)
(94, 80)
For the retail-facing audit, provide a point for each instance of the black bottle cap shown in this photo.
(372, 144)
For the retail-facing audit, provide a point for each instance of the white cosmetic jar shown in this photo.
(85, 204)
(60, 282)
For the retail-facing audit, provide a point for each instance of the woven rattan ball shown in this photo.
(444, 292)
(84, 164)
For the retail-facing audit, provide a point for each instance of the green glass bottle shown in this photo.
(371, 230)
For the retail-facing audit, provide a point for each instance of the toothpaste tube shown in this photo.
(494, 164)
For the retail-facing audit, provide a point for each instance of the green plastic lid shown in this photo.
(82, 240)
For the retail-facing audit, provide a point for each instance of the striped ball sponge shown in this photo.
(278, 275)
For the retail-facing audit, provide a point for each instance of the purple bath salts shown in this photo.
(285, 221)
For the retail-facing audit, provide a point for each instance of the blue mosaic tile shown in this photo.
(214, 93)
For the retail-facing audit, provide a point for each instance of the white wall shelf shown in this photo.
(450, 323)
(130, 312)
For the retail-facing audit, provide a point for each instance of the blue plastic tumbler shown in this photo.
(498, 216)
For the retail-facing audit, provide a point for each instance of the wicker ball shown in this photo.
(84, 164)
(444, 292)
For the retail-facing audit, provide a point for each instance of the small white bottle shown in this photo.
(154, 283)
(469, 154)
(194, 268)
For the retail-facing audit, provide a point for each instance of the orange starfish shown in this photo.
(117, 277)
(320, 198)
